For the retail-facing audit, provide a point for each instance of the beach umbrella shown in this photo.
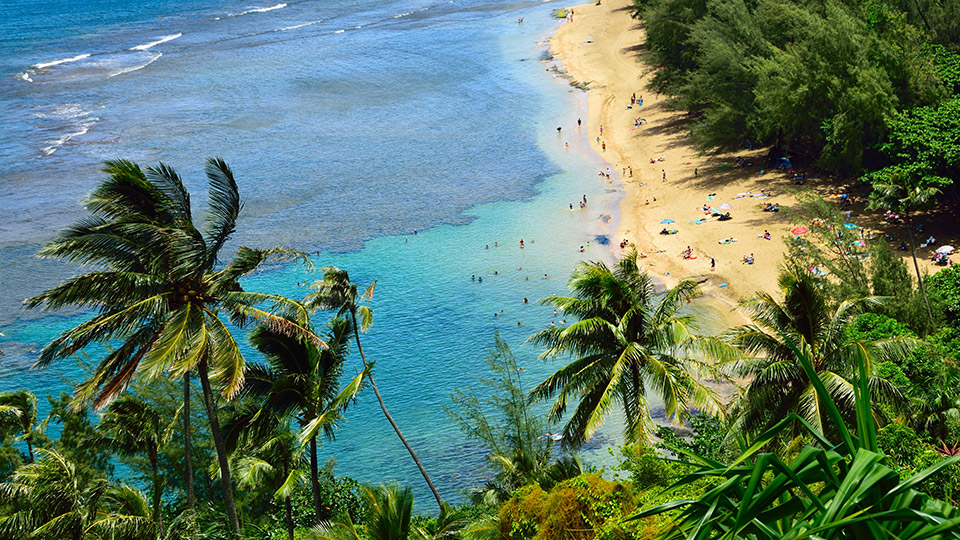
(860, 243)
(946, 250)
(850, 225)
(726, 206)
(800, 230)
(668, 221)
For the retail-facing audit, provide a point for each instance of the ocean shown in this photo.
(395, 139)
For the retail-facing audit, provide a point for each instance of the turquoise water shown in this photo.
(349, 126)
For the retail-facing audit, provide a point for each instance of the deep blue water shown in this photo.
(349, 125)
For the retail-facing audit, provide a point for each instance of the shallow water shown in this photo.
(349, 126)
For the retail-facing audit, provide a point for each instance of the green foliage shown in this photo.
(873, 326)
(79, 440)
(506, 424)
(707, 437)
(804, 329)
(646, 469)
(842, 489)
(817, 79)
(341, 496)
(165, 396)
(583, 507)
(47, 499)
(944, 290)
(901, 444)
(947, 65)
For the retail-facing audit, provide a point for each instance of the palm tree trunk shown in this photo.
(225, 483)
(363, 357)
(913, 252)
(289, 508)
(30, 448)
(315, 479)
(187, 458)
(157, 494)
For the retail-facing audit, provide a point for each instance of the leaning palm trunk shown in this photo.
(363, 357)
(225, 483)
(187, 457)
(913, 253)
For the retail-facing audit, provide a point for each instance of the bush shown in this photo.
(943, 289)
(901, 444)
(873, 326)
(584, 507)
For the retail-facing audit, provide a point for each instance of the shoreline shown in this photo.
(599, 48)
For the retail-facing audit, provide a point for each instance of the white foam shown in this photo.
(403, 14)
(259, 10)
(339, 31)
(311, 23)
(78, 120)
(57, 143)
(25, 76)
(155, 57)
(67, 111)
(164, 39)
(61, 61)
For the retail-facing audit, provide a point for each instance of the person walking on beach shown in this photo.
(664, 171)
(631, 171)
(578, 122)
(713, 264)
(604, 145)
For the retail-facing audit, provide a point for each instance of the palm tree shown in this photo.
(277, 465)
(898, 190)
(301, 380)
(390, 508)
(18, 409)
(778, 385)
(47, 500)
(130, 427)
(159, 291)
(627, 341)
(336, 292)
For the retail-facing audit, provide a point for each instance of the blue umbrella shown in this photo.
(850, 225)
(668, 221)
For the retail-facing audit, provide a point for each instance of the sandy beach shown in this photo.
(671, 179)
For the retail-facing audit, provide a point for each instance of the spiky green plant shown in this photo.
(837, 489)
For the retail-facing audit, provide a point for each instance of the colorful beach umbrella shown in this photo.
(800, 230)
(860, 243)
(946, 250)
(668, 221)
(726, 206)
(850, 225)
